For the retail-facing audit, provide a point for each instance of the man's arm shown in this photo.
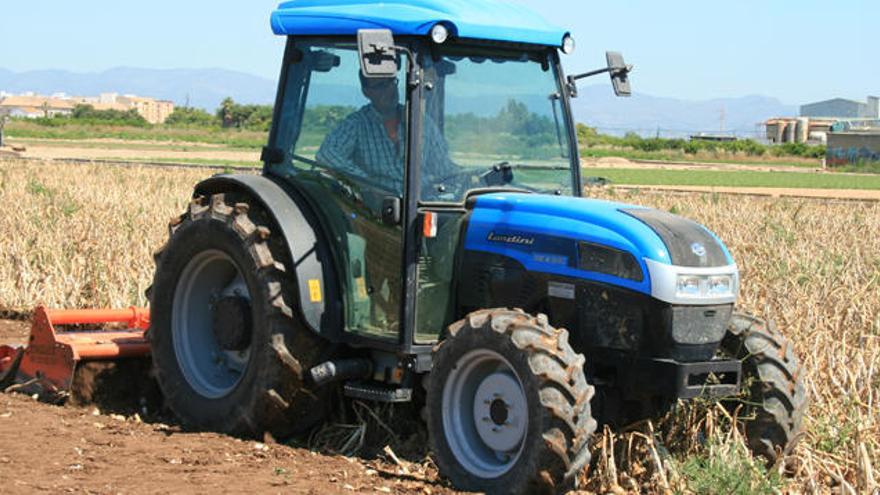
(337, 150)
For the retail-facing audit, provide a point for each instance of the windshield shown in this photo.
(493, 121)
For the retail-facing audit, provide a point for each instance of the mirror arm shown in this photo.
(572, 80)
(412, 74)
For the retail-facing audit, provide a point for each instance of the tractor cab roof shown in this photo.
(492, 20)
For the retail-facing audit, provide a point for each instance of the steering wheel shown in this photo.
(499, 174)
(455, 183)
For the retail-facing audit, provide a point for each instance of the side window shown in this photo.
(352, 125)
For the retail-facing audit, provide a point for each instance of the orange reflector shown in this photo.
(429, 225)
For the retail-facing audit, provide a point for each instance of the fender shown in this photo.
(312, 268)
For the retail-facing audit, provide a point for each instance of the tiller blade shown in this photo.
(46, 365)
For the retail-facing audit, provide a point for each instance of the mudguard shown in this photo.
(312, 265)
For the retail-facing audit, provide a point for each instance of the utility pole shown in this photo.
(722, 119)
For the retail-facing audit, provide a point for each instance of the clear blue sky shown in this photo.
(796, 50)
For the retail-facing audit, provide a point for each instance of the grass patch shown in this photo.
(719, 158)
(728, 468)
(862, 167)
(122, 145)
(207, 162)
(233, 138)
(740, 178)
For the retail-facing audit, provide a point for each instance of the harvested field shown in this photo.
(83, 236)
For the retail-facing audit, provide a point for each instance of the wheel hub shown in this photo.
(500, 413)
(232, 323)
(211, 324)
(485, 413)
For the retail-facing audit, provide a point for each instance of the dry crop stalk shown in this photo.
(812, 264)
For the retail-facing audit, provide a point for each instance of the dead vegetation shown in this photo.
(83, 236)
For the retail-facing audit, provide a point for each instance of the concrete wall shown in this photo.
(852, 147)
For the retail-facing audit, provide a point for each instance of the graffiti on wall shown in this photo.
(845, 156)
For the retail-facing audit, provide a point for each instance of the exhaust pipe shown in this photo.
(340, 370)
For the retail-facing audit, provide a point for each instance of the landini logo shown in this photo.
(511, 239)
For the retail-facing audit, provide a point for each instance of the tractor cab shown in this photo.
(388, 133)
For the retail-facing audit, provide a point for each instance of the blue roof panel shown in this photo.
(478, 19)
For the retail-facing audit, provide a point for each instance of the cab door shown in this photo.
(348, 158)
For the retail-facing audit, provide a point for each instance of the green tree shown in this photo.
(224, 113)
(117, 117)
(189, 116)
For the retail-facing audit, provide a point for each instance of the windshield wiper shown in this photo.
(523, 166)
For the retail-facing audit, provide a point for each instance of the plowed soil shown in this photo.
(82, 449)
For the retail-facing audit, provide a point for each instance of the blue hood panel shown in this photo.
(542, 233)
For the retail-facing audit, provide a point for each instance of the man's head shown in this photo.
(382, 92)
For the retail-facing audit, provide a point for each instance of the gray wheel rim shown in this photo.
(485, 413)
(211, 371)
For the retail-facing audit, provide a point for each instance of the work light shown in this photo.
(568, 45)
(439, 34)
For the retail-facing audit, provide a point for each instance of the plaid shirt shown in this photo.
(361, 146)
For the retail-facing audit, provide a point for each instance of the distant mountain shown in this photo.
(204, 88)
(596, 106)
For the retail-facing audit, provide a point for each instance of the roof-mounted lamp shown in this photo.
(439, 34)
(568, 45)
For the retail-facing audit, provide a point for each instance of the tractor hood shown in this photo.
(634, 247)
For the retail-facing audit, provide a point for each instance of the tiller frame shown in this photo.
(46, 365)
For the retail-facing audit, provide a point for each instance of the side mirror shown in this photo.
(618, 70)
(377, 52)
(619, 74)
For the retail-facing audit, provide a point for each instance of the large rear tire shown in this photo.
(508, 405)
(773, 397)
(228, 352)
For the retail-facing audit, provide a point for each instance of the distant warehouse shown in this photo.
(841, 108)
(818, 120)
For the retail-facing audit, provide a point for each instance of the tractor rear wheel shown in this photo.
(508, 405)
(228, 352)
(773, 398)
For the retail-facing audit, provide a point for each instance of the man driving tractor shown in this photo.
(371, 142)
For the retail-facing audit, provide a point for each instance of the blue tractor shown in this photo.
(419, 234)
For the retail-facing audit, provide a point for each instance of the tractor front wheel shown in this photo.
(508, 405)
(228, 352)
(773, 400)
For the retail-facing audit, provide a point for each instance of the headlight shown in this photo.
(704, 286)
(688, 286)
(720, 285)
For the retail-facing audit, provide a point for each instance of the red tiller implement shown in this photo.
(46, 365)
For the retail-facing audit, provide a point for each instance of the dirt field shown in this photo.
(52, 449)
(76, 236)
